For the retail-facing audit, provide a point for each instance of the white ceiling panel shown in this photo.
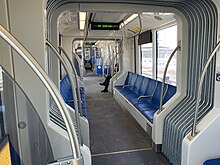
(68, 23)
(108, 17)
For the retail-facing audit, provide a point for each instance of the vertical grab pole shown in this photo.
(73, 87)
(76, 79)
(211, 56)
(164, 77)
(35, 66)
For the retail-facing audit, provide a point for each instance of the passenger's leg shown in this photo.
(107, 80)
(103, 83)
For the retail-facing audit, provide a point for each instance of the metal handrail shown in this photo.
(113, 65)
(35, 66)
(212, 54)
(76, 79)
(68, 71)
(79, 63)
(164, 76)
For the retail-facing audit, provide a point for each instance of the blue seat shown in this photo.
(138, 83)
(212, 162)
(66, 93)
(119, 87)
(171, 90)
(147, 93)
(65, 89)
(151, 105)
(144, 86)
(149, 114)
(133, 98)
(1, 94)
(144, 93)
(155, 99)
(128, 78)
(127, 82)
(133, 89)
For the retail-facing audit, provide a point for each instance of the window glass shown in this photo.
(166, 43)
(147, 59)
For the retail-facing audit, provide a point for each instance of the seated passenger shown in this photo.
(107, 79)
(106, 83)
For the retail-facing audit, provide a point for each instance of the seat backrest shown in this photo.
(128, 78)
(157, 93)
(1, 97)
(133, 81)
(138, 83)
(143, 86)
(169, 93)
(150, 87)
(65, 88)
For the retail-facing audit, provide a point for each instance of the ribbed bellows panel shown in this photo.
(202, 20)
(56, 118)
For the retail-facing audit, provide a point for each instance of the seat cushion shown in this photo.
(145, 106)
(149, 114)
(147, 109)
(126, 91)
(119, 87)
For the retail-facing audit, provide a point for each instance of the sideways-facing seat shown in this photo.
(143, 95)
(66, 92)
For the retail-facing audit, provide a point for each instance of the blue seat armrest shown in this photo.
(142, 97)
(69, 101)
(126, 86)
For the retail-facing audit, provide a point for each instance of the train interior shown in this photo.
(109, 83)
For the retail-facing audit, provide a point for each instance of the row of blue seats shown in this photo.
(66, 92)
(144, 93)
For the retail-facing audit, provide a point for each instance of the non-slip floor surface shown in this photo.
(147, 157)
(115, 137)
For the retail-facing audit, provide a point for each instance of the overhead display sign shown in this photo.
(104, 26)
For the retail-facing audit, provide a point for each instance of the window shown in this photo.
(154, 57)
(147, 59)
(166, 43)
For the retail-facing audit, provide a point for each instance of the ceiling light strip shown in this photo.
(82, 20)
(132, 17)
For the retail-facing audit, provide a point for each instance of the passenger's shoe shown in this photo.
(104, 90)
(102, 84)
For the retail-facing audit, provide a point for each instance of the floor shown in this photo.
(116, 138)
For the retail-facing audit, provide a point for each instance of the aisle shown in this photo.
(116, 139)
